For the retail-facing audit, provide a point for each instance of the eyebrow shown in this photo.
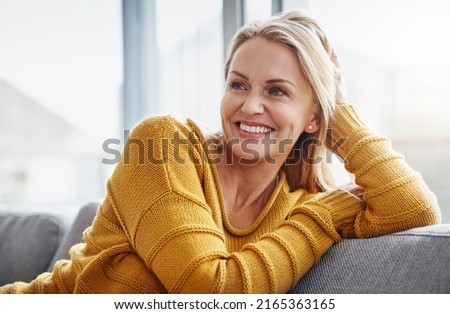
(277, 80)
(280, 81)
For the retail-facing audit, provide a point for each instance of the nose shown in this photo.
(253, 103)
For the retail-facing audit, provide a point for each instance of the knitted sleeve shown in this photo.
(397, 198)
(162, 209)
(187, 251)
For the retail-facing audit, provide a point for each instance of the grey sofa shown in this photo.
(413, 261)
(30, 243)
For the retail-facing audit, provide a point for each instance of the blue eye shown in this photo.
(236, 85)
(277, 92)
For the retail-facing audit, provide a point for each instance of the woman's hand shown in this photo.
(341, 90)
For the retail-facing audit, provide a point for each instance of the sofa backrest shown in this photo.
(27, 244)
(413, 261)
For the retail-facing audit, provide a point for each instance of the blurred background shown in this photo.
(76, 74)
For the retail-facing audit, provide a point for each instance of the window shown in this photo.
(190, 54)
(396, 63)
(173, 60)
(257, 10)
(60, 98)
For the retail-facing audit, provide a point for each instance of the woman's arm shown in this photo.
(167, 219)
(397, 198)
(179, 241)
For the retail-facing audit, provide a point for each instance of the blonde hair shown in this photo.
(306, 166)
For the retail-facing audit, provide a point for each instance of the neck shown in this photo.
(246, 190)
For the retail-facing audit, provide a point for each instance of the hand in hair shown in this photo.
(341, 90)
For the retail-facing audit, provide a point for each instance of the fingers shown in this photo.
(341, 90)
(335, 59)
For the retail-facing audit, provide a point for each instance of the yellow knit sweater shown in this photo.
(162, 226)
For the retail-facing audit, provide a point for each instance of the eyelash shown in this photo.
(283, 92)
(240, 86)
(234, 85)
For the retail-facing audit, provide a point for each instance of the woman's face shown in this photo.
(267, 103)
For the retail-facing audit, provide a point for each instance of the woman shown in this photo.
(252, 209)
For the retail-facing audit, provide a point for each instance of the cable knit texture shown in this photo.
(162, 227)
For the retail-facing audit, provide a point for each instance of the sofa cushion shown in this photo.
(413, 261)
(27, 245)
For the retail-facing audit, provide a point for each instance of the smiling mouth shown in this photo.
(254, 129)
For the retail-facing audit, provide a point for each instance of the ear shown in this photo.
(313, 125)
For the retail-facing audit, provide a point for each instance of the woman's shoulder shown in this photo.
(166, 126)
(156, 122)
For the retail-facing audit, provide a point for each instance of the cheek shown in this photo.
(293, 120)
(226, 113)
(228, 105)
(223, 105)
(287, 115)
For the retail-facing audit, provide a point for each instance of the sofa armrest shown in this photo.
(74, 235)
(413, 261)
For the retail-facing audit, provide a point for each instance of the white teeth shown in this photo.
(254, 129)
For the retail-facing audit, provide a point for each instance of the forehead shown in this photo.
(260, 55)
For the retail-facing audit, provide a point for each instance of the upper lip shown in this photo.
(254, 123)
